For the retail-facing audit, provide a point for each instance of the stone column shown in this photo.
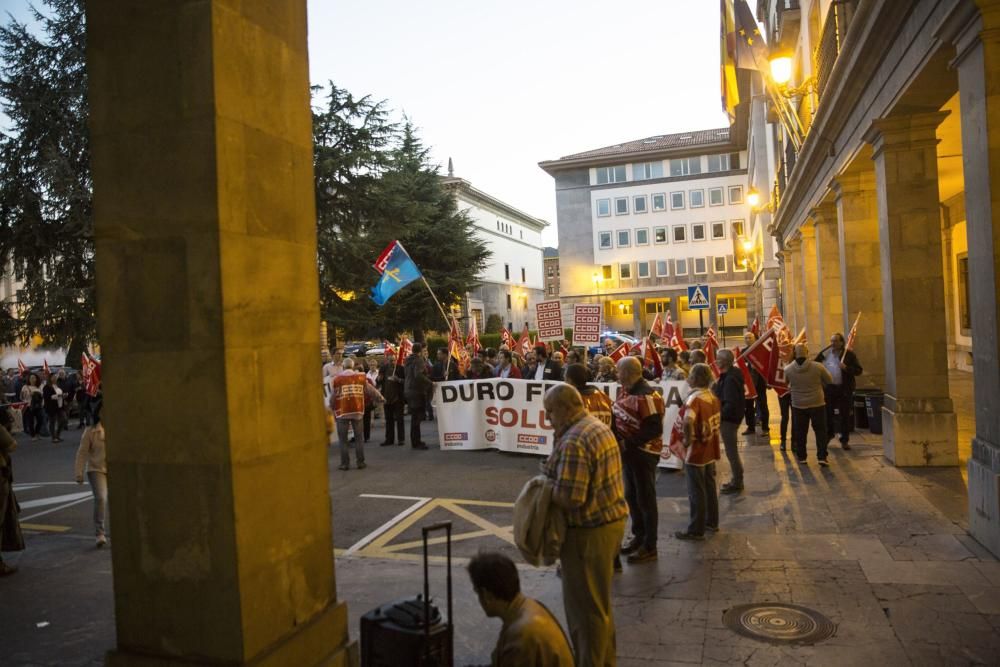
(809, 288)
(918, 418)
(830, 301)
(861, 270)
(208, 312)
(977, 42)
(793, 285)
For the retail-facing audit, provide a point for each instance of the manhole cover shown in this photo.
(779, 623)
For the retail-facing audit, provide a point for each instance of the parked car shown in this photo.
(618, 339)
(358, 347)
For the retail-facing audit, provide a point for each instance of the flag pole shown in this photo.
(854, 327)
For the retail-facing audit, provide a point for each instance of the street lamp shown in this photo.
(753, 198)
(781, 69)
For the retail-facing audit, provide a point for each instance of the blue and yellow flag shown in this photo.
(397, 270)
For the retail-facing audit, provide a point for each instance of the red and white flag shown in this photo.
(711, 345)
(755, 327)
(563, 349)
(657, 328)
(473, 338)
(851, 336)
(524, 342)
(91, 374)
(45, 367)
(506, 338)
(749, 390)
(21, 368)
(620, 352)
(668, 328)
(405, 350)
(651, 357)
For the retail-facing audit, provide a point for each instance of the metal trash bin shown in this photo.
(873, 406)
(860, 410)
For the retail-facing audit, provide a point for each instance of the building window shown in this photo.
(735, 302)
(964, 314)
(737, 228)
(524, 276)
(735, 194)
(643, 269)
(506, 271)
(696, 198)
(680, 267)
(718, 230)
(522, 234)
(603, 240)
(551, 270)
(624, 238)
(660, 202)
(661, 268)
(642, 171)
(715, 197)
(685, 166)
(623, 307)
(611, 174)
(676, 200)
(606, 272)
(680, 234)
(621, 205)
(718, 162)
(639, 204)
(700, 265)
(698, 231)
(603, 208)
(719, 264)
(659, 234)
(642, 236)
(625, 271)
(508, 302)
(552, 290)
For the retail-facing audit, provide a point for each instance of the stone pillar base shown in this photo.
(984, 494)
(323, 641)
(920, 432)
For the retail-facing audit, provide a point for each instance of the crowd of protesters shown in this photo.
(46, 400)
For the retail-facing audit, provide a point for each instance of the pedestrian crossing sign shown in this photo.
(698, 297)
(723, 308)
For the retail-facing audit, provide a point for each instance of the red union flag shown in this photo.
(21, 368)
(507, 338)
(91, 369)
(524, 342)
(45, 367)
(711, 345)
(657, 328)
(749, 390)
(755, 327)
(383, 258)
(851, 336)
(405, 350)
(473, 338)
(651, 357)
(620, 352)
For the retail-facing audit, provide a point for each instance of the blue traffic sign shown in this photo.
(698, 297)
(723, 308)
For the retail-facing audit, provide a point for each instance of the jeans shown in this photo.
(843, 423)
(586, 556)
(703, 498)
(640, 494)
(394, 428)
(99, 487)
(800, 429)
(728, 431)
(785, 404)
(342, 426)
(417, 413)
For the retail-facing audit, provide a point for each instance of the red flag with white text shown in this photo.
(749, 390)
(506, 338)
(21, 368)
(524, 342)
(473, 338)
(657, 328)
(405, 350)
(651, 357)
(620, 352)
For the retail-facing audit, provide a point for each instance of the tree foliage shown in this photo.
(46, 213)
(388, 191)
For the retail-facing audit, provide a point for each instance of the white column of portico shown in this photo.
(829, 300)
(809, 287)
(919, 420)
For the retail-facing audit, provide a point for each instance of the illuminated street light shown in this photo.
(753, 198)
(781, 69)
(747, 245)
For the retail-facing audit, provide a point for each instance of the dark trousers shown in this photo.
(801, 418)
(367, 422)
(640, 494)
(417, 413)
(55, 423)
(843, 423)
(703, 498)
(750, 414)
(394, 423)
(785, 404)
(33, 421)
(763, 412)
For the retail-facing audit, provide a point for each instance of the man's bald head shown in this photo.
(629, 371)
(562, 404)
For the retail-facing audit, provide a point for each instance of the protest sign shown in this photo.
(550, 325)
(586, 324)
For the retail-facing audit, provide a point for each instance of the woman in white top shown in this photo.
(31, 394)
(90, 456)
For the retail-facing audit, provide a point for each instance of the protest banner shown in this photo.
(509, 415)
(550, 324)
(586, 324)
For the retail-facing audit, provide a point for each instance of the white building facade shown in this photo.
(513, 280)
(641, 221)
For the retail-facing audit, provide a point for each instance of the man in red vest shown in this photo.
(350, 390)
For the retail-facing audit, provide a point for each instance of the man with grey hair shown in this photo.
(700, 451)
(638, 423)
(806, 379)
(586, 475)
(348, 405)
(729, 390)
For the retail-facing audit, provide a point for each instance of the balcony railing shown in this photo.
(831, 40)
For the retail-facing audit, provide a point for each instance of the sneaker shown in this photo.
(643, 555)
(420, 445)
(802, 461)
(343, 467)
(846, 447)
(684, 535)
(730, 488)
(362, 465)
(824, 463)
(101, 541)
(630, 547)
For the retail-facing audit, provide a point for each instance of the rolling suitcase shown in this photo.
(410, 632)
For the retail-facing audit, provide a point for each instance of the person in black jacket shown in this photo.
(390, 383)
(729, 389)
(546, 369)
(844, 367)
(416, 386)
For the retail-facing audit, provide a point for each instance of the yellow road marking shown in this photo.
(395, 531)
(441, 540)
(480, 503)
(497, 531)
(45, 528)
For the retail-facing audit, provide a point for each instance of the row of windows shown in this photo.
(685, 166)
(506, 273)
(507, 228)
(735, 302)
(661, 267)
(679, 234)
(695, 199)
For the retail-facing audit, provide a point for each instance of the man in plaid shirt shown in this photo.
(585, 469)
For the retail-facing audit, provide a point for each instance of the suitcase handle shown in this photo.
(426, 530)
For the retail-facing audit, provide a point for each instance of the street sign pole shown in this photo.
(701, 322)
(723, 327)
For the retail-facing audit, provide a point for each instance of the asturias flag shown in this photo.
(397, 270)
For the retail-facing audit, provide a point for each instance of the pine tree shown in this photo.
(46, 213)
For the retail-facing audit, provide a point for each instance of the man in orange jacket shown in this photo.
(350, 391)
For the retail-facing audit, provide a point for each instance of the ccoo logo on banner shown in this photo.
(509, 415)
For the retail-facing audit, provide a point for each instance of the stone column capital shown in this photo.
(825, 213)
(852, 182)
(793, 244)
(904, 133)
(807, 230)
